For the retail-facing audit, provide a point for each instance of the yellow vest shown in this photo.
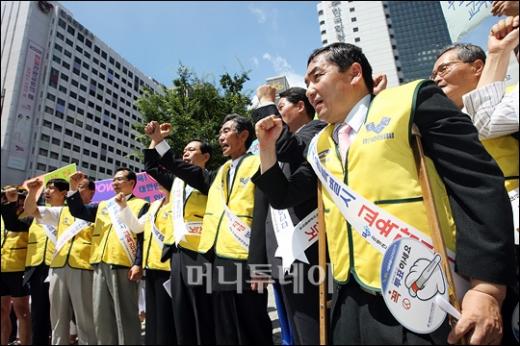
(194, 208)
(505, 152)
(381, 168)
(39, 247)
(240, 200)
(106, 246)
(152, 249)
(76, 252)
(14, 250)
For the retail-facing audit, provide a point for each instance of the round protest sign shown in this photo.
(411, 278)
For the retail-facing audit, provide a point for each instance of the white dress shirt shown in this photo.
(493, 113)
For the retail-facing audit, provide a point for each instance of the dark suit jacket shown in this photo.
(88, 213)
(474, 182)
(180, 258)
(11, 220)
(291, 150)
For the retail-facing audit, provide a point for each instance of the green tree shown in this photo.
(195, 108)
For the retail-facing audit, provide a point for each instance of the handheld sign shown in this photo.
(411, 279)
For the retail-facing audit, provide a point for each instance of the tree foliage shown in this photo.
(195, 108)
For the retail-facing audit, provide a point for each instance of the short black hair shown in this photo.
(466, 52)
(131, 174)
(91, 184)
(60, 184)
(297, 94)
(242, 123)
(205, 148)
(344, 55)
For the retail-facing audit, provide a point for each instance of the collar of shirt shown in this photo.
(233, 168)
(355, 118)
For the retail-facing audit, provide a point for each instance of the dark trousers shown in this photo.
(241, 319)
(193, 304)
(302, 311)
(40, 305)
(362, 318)
(160, 328)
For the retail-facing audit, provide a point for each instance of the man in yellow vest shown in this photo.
(240, 314)
(476, 85)
(14, 250)
(116, 256)
(155, 224)
(40, 249)
(366, 149)
(70, 287)
(189, 300)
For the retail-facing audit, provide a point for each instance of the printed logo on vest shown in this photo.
(371, 127)
(244, 181)
(379, 127)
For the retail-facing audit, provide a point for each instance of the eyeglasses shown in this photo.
(443, 69)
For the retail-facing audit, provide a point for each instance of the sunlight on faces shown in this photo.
(85, 193)
(193, 155)
(456, 77)
(120, 183)
(328, 90)
(231, 142)
(53, 195)
(289, 111)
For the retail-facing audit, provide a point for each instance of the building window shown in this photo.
(353, 19)
(43, 152)
(41, 167)
(357, 39)
(56, 141)
(355, 29)
(45, 138)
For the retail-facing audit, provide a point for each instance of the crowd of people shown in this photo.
(207, 250)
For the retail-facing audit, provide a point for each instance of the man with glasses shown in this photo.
(366, 148)
(472, 85)
(116, 256)
(458, 69)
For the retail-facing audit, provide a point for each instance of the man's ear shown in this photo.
(300, 106)
(478, 67)
(356, 73)
(206, 157)
(243, 136)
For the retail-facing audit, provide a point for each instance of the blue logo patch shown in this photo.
(366, 232)
(379, 127)
(244, 181)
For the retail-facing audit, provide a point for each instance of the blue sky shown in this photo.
(265, 38)
(268, 38)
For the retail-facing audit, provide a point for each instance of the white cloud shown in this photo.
(255, 61)
(260, 14)
(282, 67)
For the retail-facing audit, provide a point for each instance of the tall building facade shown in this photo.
(399, 38)
(66, 96)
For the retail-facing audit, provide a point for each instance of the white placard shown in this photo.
(411, 278)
